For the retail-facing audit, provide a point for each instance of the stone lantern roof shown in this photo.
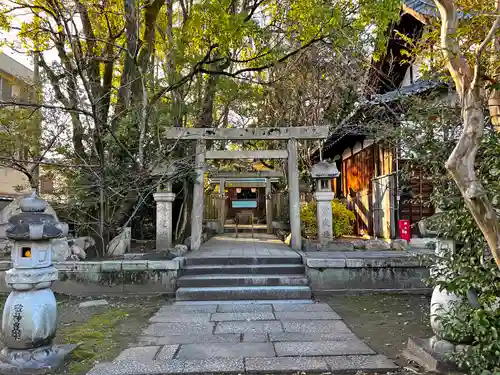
(33, 223)
(324, 169)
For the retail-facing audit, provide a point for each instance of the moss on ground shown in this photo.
(102, 332)
(99, 339)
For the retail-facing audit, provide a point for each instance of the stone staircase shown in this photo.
(246, 228)
(243, 278)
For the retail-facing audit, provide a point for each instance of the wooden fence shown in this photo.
(211, 211)
(279, 201)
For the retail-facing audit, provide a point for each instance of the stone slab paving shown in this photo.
(245, 246)
(240, 338)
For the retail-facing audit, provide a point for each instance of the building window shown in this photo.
(5, 89)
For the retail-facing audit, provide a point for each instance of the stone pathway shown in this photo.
(245, 245)
(231, 337)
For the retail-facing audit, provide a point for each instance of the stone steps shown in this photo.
(243, 260)
(243, 293)
(269, 269)
(245, 229)
(246, 273)
(248, 304)
(212, 280)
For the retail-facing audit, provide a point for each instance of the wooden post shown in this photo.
(294, 195)
(222, 205)
(279, 209)
(197, 210)
(269, 207)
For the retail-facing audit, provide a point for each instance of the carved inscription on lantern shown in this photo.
(16, 326)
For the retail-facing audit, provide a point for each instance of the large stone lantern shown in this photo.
(324, 172)
(30, 313)
(164, 199)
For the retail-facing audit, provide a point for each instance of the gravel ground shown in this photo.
(386, 321)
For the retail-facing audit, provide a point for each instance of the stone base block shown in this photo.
(43, 360)
(422, 352)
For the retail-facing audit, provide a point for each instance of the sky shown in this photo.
(18, 54)
(11, 36)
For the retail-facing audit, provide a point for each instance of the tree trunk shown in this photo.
(461, 166)
(494, 94)
(171, 67)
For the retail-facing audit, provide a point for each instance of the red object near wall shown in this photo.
(404, 230)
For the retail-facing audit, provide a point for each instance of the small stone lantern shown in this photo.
(324, 173)
(30, 313)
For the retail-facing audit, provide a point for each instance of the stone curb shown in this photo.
(111, 265)
(357, 259)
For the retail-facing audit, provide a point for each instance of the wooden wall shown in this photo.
(369, 184)
(357, 172)
(417, 207)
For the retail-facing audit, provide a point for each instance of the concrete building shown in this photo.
(16, 84)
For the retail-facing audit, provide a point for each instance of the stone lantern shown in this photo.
(324, 173)
(30, 313)
(164, 199)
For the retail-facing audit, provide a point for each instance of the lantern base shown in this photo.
(42, 360)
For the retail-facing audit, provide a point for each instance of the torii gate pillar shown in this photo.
(197, 209)
(294, 195)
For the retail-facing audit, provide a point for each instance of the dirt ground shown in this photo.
(102, 332)
(385, 321)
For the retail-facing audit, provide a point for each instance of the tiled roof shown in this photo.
(348, 126)
(409, 90)
(418, 87)
(424, 7)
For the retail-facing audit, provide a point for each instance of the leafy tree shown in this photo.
(464, 49)
(431, 133)
(125, 71)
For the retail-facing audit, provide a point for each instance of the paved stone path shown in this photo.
(228, 245)
(264, 337)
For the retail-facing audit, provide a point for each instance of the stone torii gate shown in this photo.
(290, 134)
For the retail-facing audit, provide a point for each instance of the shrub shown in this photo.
(343, 218)
(480, 328)
(469, 268)
(308, 218)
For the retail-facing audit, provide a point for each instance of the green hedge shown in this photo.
(343, 219)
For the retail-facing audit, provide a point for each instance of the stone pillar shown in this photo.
(278, 206)
(294, 195)
(269, 207)
(222, 205)
(197, 210)
(324, 215)
(163, 201)
(29, 319)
